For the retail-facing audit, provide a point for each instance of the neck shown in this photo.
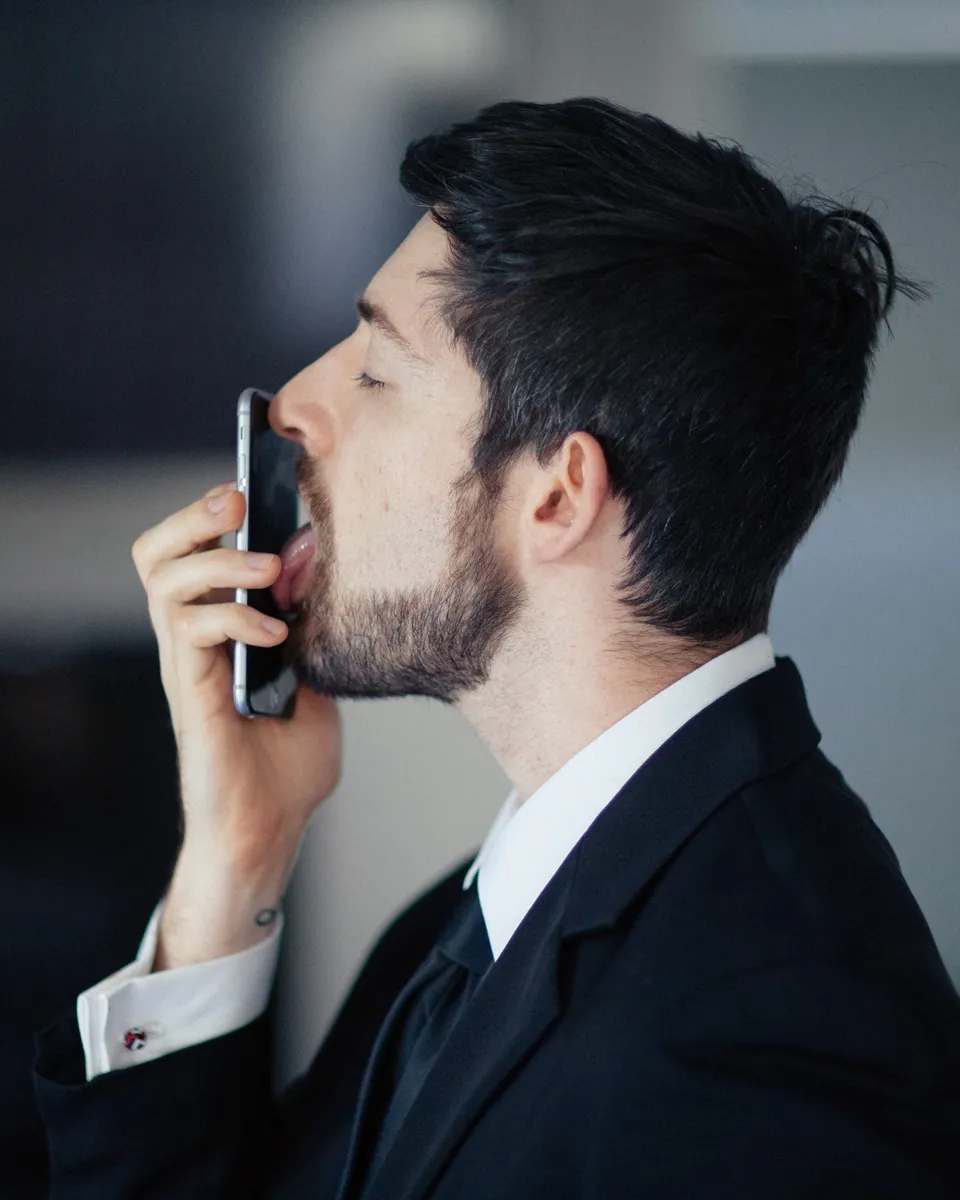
(548, 697)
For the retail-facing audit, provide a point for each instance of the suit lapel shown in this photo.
(755, 730)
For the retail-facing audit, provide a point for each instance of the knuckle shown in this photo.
(231, 566)
(244, 616)
(138, 553)
(247, 619)
(156, 581)
(234, 624)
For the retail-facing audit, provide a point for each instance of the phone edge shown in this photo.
(241, 700)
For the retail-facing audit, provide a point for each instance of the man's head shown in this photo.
(617, 375)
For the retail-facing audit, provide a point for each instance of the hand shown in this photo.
(248, 787)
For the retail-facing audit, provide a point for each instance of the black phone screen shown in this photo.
(267, 685)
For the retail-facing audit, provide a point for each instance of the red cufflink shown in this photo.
(135, 1039)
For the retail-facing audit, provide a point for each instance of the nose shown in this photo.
(282, 414)
(295, 411)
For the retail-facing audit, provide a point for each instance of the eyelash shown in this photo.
(366, 382)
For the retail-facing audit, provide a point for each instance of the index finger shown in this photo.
(192, 528)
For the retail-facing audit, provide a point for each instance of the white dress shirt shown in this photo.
(134, 1016)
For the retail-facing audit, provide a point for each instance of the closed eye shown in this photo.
(365, 381)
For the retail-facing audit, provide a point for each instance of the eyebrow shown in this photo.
(370, 311)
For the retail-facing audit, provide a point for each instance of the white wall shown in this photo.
(869, 606)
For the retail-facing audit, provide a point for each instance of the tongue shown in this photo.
(291, 584)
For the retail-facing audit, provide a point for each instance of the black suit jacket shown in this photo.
(727, 990)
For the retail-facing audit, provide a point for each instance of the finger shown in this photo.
(183, 532)
(226, 486)
(181, 580)
(205, 625)
(229, 537)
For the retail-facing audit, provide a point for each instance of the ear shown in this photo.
(567, 496)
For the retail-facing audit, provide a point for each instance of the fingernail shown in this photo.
(219, 503)
(259, 561)
(272, 626)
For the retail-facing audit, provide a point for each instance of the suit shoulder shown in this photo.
(790, 868)
(835, 869)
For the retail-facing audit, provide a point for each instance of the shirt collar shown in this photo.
(528, 842)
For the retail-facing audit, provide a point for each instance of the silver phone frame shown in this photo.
(244, 429)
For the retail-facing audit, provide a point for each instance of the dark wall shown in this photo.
(90, 834)
(138, 162)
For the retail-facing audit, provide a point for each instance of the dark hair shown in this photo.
(611, 274)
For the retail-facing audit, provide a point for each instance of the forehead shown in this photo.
(399, 286)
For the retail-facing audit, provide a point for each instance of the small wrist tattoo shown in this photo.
(266, 916)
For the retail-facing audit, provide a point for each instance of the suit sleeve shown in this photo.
(202, 1121)
(189, 1123)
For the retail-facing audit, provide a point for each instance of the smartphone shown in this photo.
(264, 684)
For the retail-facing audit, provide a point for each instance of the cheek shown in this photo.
(390, 521)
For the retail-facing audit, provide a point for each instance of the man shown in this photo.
(591, 405)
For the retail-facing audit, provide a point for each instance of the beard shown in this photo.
(438, 641)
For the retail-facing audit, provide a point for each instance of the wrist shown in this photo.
(213, 909)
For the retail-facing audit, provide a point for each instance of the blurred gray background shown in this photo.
(201, 189)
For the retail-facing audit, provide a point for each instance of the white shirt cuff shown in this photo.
(134, 1016)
